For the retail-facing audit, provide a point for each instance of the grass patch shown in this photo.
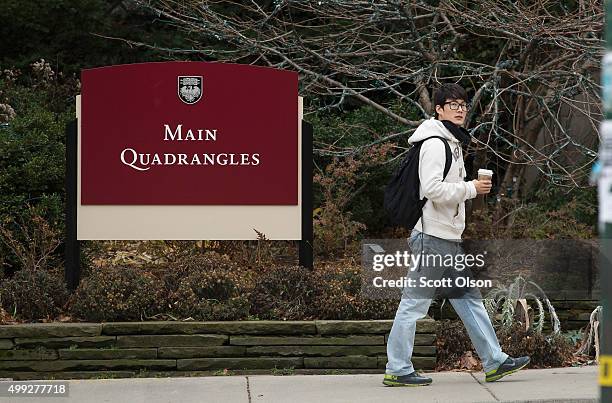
(283, 371)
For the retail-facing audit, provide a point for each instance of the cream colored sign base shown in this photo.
(101, 222)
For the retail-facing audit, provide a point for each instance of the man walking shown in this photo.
(439, 232)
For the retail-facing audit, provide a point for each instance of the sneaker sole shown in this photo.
(392, 383)
(497, 377)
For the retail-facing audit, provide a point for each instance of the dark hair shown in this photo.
(448, 91)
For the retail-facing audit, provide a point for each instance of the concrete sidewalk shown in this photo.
(528, 385)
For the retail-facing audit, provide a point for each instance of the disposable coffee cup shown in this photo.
(484, 174)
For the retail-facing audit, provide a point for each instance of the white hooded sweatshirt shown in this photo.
(444, 212)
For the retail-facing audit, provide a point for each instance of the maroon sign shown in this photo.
(189, 133)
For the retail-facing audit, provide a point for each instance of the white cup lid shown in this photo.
(485, 172)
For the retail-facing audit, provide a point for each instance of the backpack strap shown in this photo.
(449, 154)
(447, 165)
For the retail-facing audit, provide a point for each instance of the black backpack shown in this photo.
(402, 199)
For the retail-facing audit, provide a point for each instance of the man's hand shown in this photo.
(483, 186)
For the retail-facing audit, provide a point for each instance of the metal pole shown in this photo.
(72, 268)
(605, 216)
(305, 244)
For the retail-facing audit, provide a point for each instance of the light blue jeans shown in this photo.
(414, 305)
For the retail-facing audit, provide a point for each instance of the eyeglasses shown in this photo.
(455, 106)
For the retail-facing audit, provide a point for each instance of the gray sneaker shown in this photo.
(510, 366)
(413, 379)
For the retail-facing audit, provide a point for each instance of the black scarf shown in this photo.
(459, 132)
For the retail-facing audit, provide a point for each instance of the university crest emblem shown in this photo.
(190, 89)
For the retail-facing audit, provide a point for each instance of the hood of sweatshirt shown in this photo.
(431, 127)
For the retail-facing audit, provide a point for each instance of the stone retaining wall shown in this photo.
(123, 349)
